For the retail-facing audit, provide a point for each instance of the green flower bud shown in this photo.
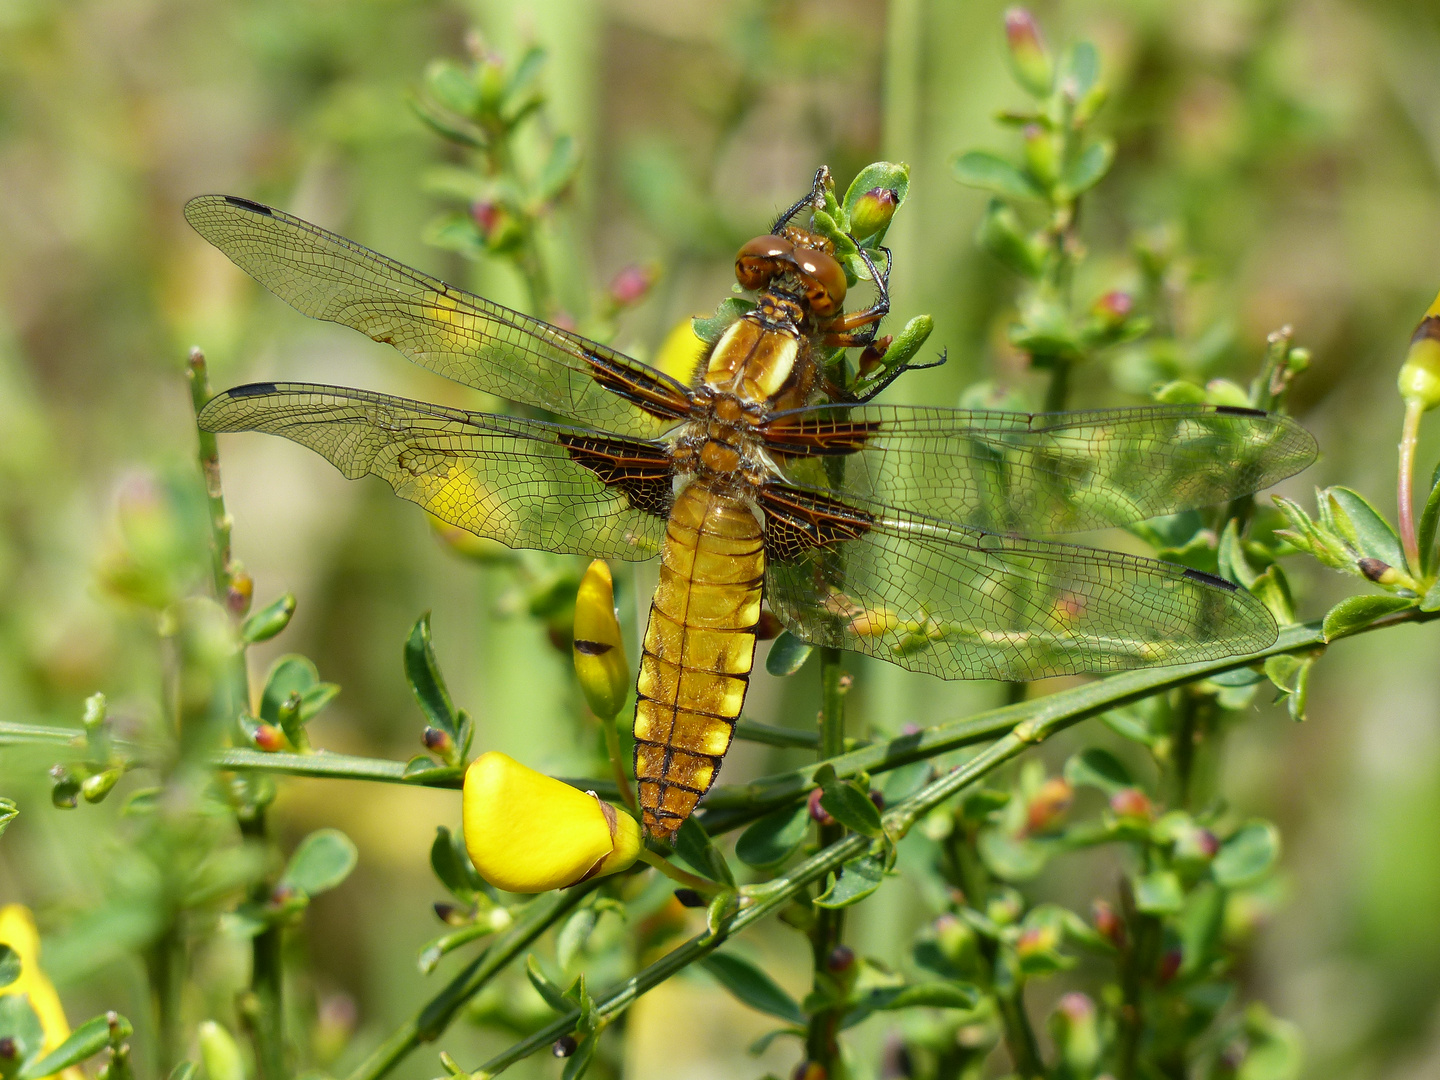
(598, 648)
(219, 1053)
(97, 786)
(1420, 374)
(268, 621)
(872, 212)
(1042, 154)
(1029, 59)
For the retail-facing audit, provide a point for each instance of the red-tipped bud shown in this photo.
(1108, 923)
(1132, 803)
(631, 285)
(1036, 939)
(1076, 1006)
(872, 212)
(437, 741)
(269, 738)
(1029, 58)
(239, 592)
(1114, 307)
(1169, 965)
(818, 812)
(1047, 809)
(840, 960)
(486, 214)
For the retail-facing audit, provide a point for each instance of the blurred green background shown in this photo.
(1294, 145)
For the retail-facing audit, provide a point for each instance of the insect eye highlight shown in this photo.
(825, 278)
(761, 259)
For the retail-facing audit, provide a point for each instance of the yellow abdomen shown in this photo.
(699, 647)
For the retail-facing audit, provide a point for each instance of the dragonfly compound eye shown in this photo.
(761, 259)
(824, 280)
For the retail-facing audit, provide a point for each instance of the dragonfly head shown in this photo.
(801, 255)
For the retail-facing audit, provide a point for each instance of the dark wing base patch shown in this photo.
(638, 471)
(797, 521)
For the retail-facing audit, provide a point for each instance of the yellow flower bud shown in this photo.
(529, 833)
(17, 929)
(599, 650)
(681, 352)
(1420, 375)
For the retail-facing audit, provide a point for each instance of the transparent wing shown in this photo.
(964, 604)
(524, 483)
(450, 331)
(1040, 473)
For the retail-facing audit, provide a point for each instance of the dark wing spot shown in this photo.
(254, 389)
(1211, 579)
(246, 204)
(591, 648)
(1238, 410)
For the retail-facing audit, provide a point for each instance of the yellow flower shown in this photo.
(17, 929)
(681, 352)
(1420, 374)
(599, 650)
(529, 833)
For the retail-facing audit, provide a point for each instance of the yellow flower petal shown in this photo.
(600, 661)
(681, 352)
(17, 929)
(529, 833)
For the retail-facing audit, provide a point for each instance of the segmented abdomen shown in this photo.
(699, 647)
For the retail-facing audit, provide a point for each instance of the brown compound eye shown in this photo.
(761, 259)
(825, 279)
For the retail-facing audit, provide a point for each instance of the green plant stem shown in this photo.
(617, 764)
(1183, 745)
(770, 735)
(1019, 1035)
(435, 1016)
(822, 1045)
(703, 886)
(1405, 492)
(265, 1010)
(165, 968)
(220, 520)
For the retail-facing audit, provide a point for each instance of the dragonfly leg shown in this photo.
(814, 200)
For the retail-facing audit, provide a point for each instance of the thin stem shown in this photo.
(1019, 1035)
(617, 764)
(435, 1016)
(704, 886)
(265, 1006)
(165, 967)
(1409, 436)
(220, 520)
(822, 1046)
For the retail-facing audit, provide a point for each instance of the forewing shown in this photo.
(445, 329)
(1039, 473)
(524, 483)
(964, 604)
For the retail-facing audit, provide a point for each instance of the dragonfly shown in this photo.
(916, 534)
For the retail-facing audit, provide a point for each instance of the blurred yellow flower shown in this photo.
(599, 651)
(529, 833)
(681, 352)
(17, 929)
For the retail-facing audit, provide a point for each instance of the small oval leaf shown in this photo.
(322, 861)
(288, 675)
(753, 987)
(1247, 856)
(428, 685)
(774, 838)
(1159, 893)
(1364, 527)
(978, 169)
(1098, 768)
(852, 807)
(1355, 612)
(86, 1041)
(9, 965)
(787, 654)
(858, 878)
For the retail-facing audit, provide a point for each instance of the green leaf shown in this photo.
(753, 987)
(1363, 527)
(1089, 168)
(1429, 602)
(573, 936)
(437, 948)
(934, 995)
(1159, 893)
(787, 654)
(545, 986)
(315, 699)
(9, 965)
(857, 879)
(693, 845)
(322, 861)
(1273, 589)
(850, 804)
(85, 1042)
(1082, 64)
(8, 812)
(1300, 699)
(185, 1070)
(1012, 858)
(1098, 768)
(268, 621)
(560, 169)
(1429, 519)
(288, 675)
(453, 867)
(774, 838)
(426, 682)
(1355, 612)
(1247, 856)
(452, 87)
(219, 1053)
(760, 1045)
(979, 169)
(731, 308)
(881, 174)
(19, 1022)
